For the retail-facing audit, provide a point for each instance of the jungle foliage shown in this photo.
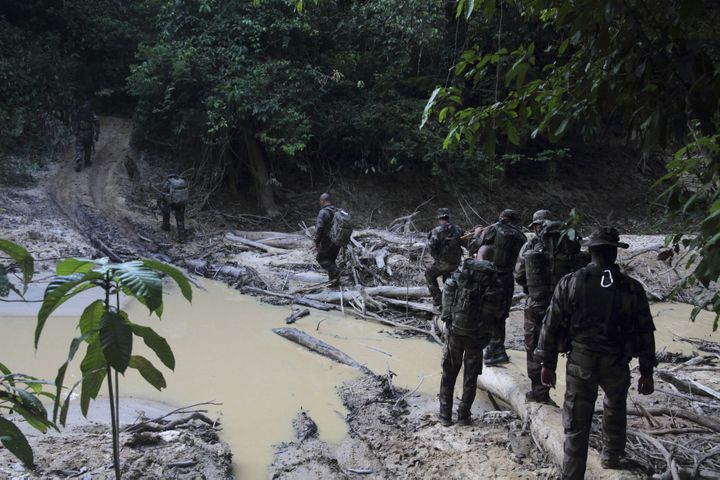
(650, 69)
(20, 393)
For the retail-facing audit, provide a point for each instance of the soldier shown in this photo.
(173, 198)
(542, 262)
(473, 302)
(445, 246)
(327, 251)
(601, 316)
(508, 239)
(87, 132)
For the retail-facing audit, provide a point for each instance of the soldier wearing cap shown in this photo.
(602, 317)
(534, 311)
(507, 239)
(445, 245)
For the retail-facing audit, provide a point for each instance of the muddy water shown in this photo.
(226, 352)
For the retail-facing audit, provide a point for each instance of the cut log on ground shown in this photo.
(307, 302)
(252, 243)
(297, 315)
(277, 239)
(545, 421)
(389, 291)
(417, 306)
(320, 347)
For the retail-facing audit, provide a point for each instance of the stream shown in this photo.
(226, 352)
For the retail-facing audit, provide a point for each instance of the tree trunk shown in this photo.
(257, 163)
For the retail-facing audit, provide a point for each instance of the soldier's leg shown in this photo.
(495, 352)
(179, 211)
(472, 367)
(87, 147)
(451, 363)
(431, 275)
(326, 258)
(615, 381)
(580, 395)
(79, 152)
(534, 313)
(165, 210)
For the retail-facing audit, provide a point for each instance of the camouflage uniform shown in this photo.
(602, 317)
(495, 352)
(472, 305)
(87, 131)
(534, 313)
(177, 209)
(445, 245)
(327, 251)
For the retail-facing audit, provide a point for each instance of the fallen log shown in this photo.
(320, 347)
(307, 302)
(297, 315)
(383, 291)
(417, 306)
(252, 243)
(703, 420)
(277, 239)
(545, 421)
(688, 386)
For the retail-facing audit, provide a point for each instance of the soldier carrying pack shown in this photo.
(342, 227)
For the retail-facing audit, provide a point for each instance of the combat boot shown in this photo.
(463, 418)
(542, 398)
(498, 358)
(182, 235)
(445, 419)
(610, 460)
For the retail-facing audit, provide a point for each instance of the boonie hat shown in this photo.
(604, 236)
(510, 214)
(539, 217)
(443, 213)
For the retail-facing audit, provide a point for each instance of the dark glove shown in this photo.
(646, 385)
(547, 377)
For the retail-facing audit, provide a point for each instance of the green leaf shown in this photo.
(156, 343)
(94, 369)
(60, 377)
(90, 318)
(563, 126)
(66, 404)
(512, 134)
(141, 282)
(173, 273)
(14, 440)
(148, 371)
(20, 256)
(116, 340)
(429, 106)
(70, 266)
(60, 290)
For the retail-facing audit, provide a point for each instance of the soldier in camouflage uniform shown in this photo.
(327, 251)
(445, 245)
(87, 132)
(534, 312)
(168, 205)
(473, 303)
(507, 238)
(602, 317)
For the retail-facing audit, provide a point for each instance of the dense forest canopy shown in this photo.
(253, 93)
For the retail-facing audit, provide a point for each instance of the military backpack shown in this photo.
(342, 227)
(554, 257)
(508, 243)
(478, 302)
(178, 192)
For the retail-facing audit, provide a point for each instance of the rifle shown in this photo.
(472, 233)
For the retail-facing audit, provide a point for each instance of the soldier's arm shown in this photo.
(645, 332)
(486, 237)
(555, 325)
(320, 226)
(448, 297)
(519, 272)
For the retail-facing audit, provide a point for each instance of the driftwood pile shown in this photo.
(681, 436)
